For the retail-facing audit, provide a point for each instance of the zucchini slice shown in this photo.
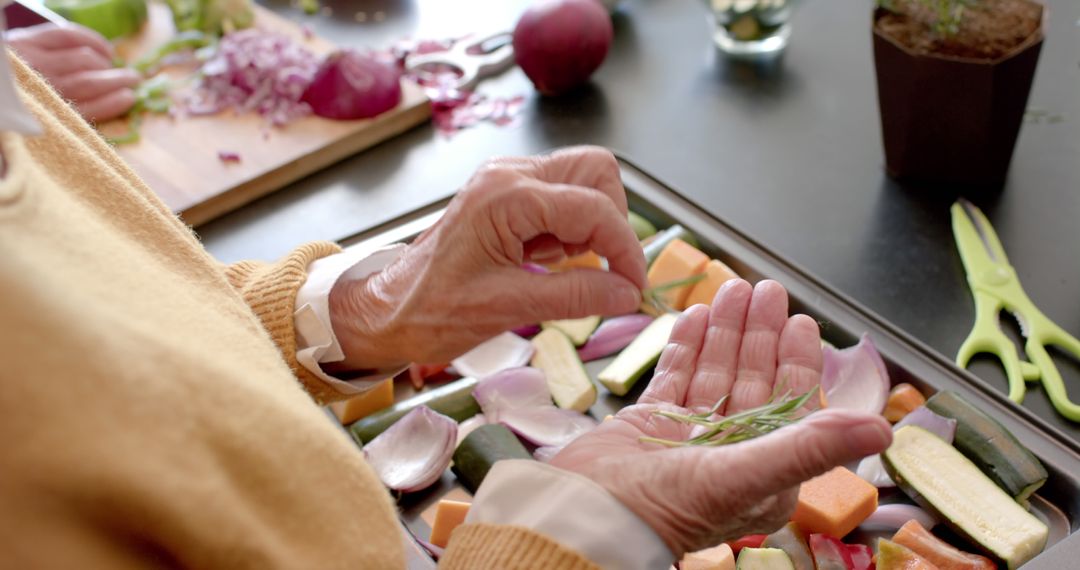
(991, 447)
(577, 330)
(570, 386)
(763, 559)
(946, 483)
(480, 450)
(454, 400)
(637, 358)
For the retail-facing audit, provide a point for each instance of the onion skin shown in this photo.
(350, 85)
(560, 43)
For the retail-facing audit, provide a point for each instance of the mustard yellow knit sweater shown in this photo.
(150, 407)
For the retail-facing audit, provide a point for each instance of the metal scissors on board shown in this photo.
(995, 286)
(471, 59)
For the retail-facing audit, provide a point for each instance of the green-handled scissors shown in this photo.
(995, 286)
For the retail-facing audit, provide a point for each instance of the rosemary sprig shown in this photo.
(747, 424)
(653, 297)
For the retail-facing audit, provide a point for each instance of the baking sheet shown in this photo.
(843, 321)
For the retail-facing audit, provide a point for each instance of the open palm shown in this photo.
(740, 349)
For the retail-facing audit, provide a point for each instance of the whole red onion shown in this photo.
(353, 85)
(560, 43)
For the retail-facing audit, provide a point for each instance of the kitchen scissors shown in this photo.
(472, 58)
(995, 286)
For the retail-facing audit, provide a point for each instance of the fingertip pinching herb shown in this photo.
(653, 295)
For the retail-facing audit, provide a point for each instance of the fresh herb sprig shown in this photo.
(747, 424)
(948, 13)
(653, 297)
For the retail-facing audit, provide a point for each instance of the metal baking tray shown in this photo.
(843, 321)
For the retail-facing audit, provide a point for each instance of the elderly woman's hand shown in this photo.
(461, 282)
(695, 497)
(78, 62)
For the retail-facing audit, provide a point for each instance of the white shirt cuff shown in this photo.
(571, 509)
(315, 340)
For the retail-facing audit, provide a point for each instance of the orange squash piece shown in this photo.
(379, 397)
(448, 516)
(716, 274)
(716, 558)
(893, 556)
(903, 399)
(587, 260)
(834, 503)
(678, 260)
(942, 554)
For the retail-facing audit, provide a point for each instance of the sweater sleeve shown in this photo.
(482, 545)
(270, 290)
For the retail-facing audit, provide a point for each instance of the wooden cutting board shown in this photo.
(178, 156)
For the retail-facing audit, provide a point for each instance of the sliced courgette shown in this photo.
(570, 385)
(637, 358)
(454, 400)
(662, 239)
(947, 484)
(642, 228)
(991, 447)
(763, 559)
(577, 330)
(479, 451)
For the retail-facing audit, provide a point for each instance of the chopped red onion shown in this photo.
(535, 268)
(872, 470)
(527, 331)
(255, 70)
(855, 378)
(468, 426)
(519, 399)
(894, 516)
(613, 335)
(504, 351)
(511, 389)
(943, 427)
(228, 156)
(547, 453)
(547, 426)
(415, 451)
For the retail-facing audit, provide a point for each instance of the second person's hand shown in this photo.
(78, 62)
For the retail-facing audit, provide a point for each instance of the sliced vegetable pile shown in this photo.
(950, 465)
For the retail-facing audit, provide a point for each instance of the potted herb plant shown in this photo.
(953, 78)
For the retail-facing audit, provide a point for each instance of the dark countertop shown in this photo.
(792, 156)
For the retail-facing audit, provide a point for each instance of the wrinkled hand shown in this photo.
(696, 497)
(461, 281)
(78, 62)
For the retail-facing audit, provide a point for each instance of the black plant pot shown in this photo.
(949, 120)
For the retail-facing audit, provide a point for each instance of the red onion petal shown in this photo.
(527, 331)
(546, 453)
(415, 451)
(613, 335)
(512, 389)
(468, 426)
(547, 426)
(499, 353)
(872, 471)
(535, 268)
(855, 378)
(435, 551)
(894, 516)
(943, 427)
